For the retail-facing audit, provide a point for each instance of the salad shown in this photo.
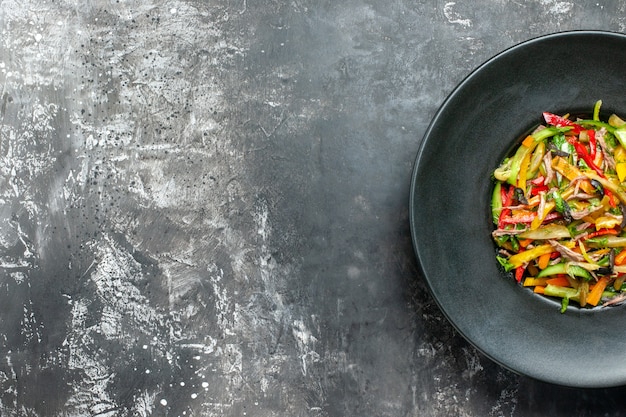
(559, 210)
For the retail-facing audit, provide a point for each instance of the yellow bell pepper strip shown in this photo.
(522, 258)
(583, 252)
(607, 184)
(536, 160)
(619, 153)
(533, 282)
(605, 222)
(541, 217)
(523, 171)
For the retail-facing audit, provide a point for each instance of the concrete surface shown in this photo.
(204, 208)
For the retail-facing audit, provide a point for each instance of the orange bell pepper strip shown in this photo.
(544, 260)
(559, 281)
(570, 172)
(620, 259)
(595, 294)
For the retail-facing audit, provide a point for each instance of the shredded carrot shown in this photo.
(596, 293)
(539, 289)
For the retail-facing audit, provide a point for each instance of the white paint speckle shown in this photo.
(163, 402)
(454, 17)
(194, 396)
(557, 7)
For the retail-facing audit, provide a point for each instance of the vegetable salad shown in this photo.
(559, 210)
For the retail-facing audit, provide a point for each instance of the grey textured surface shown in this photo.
(204, 208)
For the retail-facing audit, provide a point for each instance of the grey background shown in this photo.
(204, 208)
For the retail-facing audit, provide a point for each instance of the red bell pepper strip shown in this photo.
(507, 199)
(601, 232)
(559, 121)
(538, 181)
(536, 189)
(611, 197)
(592, 143)
(584, 154)
(519, 273)
(526, 219)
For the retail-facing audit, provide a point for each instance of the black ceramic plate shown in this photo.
(474, 129)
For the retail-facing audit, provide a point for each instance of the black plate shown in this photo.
(474, 129)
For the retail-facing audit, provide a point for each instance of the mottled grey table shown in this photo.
(204, 208)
